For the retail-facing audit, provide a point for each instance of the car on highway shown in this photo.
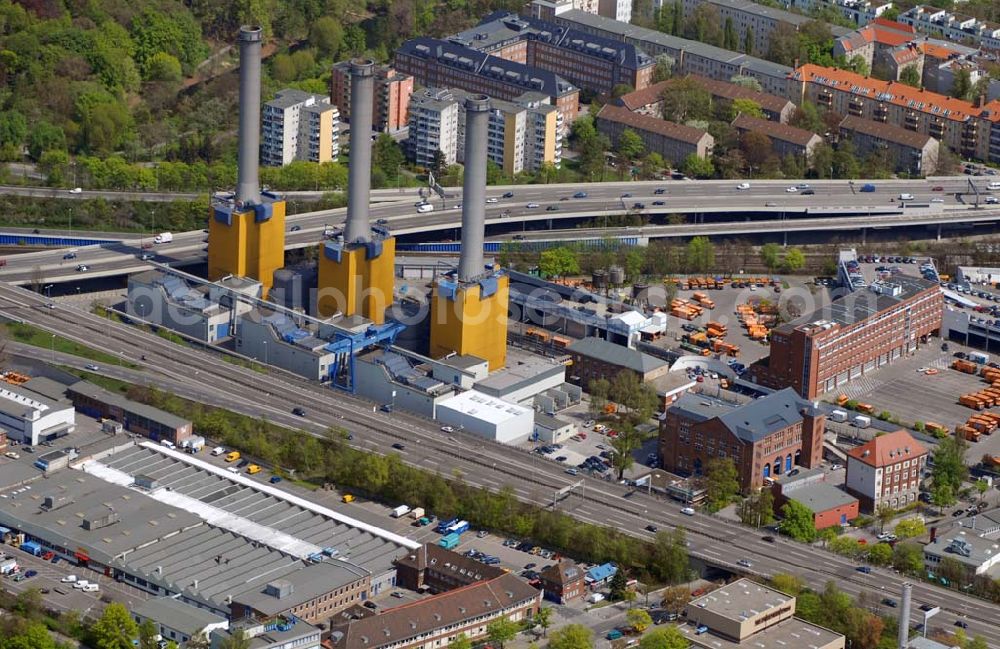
(937, 199)
(398, 446)
(626, 195)
(652, 528)
(76, 190)
(768, 538)
(447, 429)
(552, 208)
(639, 206)
(580, 195)
(746, 563)
(92, 367)
(561, 458)
(937, 188)
(906, 197)
(660, 190)
(299, 412)
(868, 188)
(68, 579)
(743, 186)
(275, 479)
(865, 569)
(572, 472)
(532, 206)
(688, 511)
(659, 202)
(508, 195)
(30, 574)
(82, 268)
(992, 200)
(242, 464)
(888, 601)
(962, 624)
(791, 190)
(492, 199)
(70, 255)
(146, 256)
(808, 192)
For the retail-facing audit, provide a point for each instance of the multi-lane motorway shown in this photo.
(206, 377)
(550, 204)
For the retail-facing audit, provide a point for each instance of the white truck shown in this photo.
(838, 415)
(217, 451)
(861, 421)
(163, 237)
(417, 513)
(193, 444)
(400, 511)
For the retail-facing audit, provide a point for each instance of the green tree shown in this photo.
(910, 76)
(910, 527)
(942, 496)
(880, 554)
(572, 636)
(147, 635)
(744, 106)
(664, 68)
(665, 638)
(730, 39)
(697, 167)
(748, 41)
(981, 488)
(617, 585)
(201, 641)
(558, 262)
(699, 255)
(797, 522)
(722, 483)
(795, 260)
(13, 132)
(164, 67)
(30, 635)
(630, 146)
(327, 35)
(43, 137)
(883, 515)
(908, 557)
(669, 560)
(115, 629)
(675, 598)
(788, 584)
(807, 117)
(620, 90)
(770, 254)
(283, 68)
(461, 641)
(949, 464)
(686, 100)
(704, 25)
(387, 155)
(624, 445)
(543, 618)
(638, 619)
(961, 87)
(598, 389)
(758, 508)
(501, 631)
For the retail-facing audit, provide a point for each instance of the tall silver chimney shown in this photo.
(248, 182)
(359, 171)
(477, 120)
(904, 616)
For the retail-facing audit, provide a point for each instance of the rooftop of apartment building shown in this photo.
(628, 31)
(773, 13)
(431, 99)
(513, 106)
(858, 306)
(653, 93)
(750, 421)
(736, 600)
(449, 609)
(774, 130)
(887, 132)
(895, 92)
(432, 556)
(614, 354)
(679, 132)
(884, 32)
(783, 635)
(503, 27)
(290, 96)
(461, 57)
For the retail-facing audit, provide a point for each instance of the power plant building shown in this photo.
(246, 228)
(299, 126)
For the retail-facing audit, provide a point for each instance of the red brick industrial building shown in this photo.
(852, 336)
(563, 582)
(765, 437)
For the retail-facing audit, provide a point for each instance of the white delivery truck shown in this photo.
(861, 421)
(193, 444)
(400, 511)
(417, 513)
(979, 357)
(163, 237)
(217, 451)
(838, 415)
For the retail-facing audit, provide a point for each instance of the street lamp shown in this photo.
(53, 348)
(265, 353)
(48, 291)
(393, 399)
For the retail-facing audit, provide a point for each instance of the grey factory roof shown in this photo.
(857, 306)
(20, 401)
(549, 422)
(307, 584)
(652, 41)
(787, 634)
(177, 291)
(360, 546)
(502, 27)
(177, 615)
(611, 353)
(750, 422)
(47, 387)
(98, 393)
(507, 72)
(820, 497)
(981, 550)
(734, 600)
(519, 376)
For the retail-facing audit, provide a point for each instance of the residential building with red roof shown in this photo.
(972, 130)
(674, 142)
(649, 100)
(907, 151)
(785, 140)
(886, 471)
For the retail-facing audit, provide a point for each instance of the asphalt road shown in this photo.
(602, 199)
(208, 378)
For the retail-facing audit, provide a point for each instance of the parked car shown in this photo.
(688, 511)
(398, 446)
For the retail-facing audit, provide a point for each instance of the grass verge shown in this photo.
(32, 335)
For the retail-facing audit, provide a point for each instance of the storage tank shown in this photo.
(616, 275)
(600, 278)
(639, 291)
(286, 286)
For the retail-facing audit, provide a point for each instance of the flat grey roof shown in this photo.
(735, 600)
(549, 422)
(602, 350)
(176, 615)
(820, 497)
(751, 421)
(98, 393)
(20, 401)
(788, 634)
(519, 376)
(308, 583)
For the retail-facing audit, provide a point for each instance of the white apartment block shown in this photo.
(860, 12)
(955, 27)
(433, 126)
(298, 125)
(614, 9)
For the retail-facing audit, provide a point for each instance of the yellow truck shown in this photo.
(233, 456)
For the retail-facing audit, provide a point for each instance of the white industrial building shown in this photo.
(549, 429)
(174, 620)
(522, 381)
(30, 417)
(486, 416)
(979, 555)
